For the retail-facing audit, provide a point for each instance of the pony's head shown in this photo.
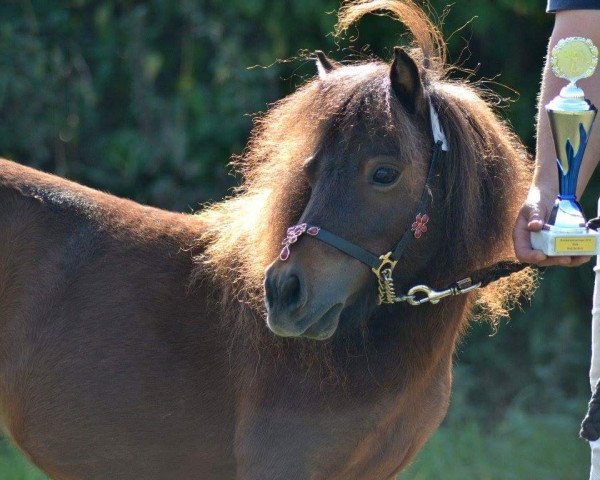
(349, 153)
(366, 179)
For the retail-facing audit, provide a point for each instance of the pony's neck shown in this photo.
(394, 346)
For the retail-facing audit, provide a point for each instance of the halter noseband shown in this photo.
(382, 266)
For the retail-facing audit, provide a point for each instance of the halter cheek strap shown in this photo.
(383, 265)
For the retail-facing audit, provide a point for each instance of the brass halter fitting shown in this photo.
(385, 282)
(417, 295)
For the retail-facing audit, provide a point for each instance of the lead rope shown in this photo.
(421, 294)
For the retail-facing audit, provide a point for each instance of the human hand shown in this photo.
(531, 219)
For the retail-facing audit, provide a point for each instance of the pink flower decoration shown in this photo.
(292, 235)
(285, 253)
(420, 225)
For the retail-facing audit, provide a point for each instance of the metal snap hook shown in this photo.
(430, 295)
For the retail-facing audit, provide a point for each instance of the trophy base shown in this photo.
(566, 243)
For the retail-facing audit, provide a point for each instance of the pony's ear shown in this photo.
(324, 64)
(406, 80)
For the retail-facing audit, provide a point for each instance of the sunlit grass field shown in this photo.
(521, 447)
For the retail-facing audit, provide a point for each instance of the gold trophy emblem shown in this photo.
(571, 118)
(574, 58)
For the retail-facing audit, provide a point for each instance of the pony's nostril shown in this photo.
(283, 292)
(290, 292)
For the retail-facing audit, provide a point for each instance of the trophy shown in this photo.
(571, 117)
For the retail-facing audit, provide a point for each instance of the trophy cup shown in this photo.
(571, 117)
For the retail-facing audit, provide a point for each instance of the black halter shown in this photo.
(383, 265)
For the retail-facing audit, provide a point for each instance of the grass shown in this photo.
(521, 447)
(14, 466)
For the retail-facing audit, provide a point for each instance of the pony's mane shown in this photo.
(482, 180)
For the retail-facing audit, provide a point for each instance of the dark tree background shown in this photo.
(149, 100)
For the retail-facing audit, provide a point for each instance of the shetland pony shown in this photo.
(135, 342)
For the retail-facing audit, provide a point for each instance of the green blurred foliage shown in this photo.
(14, 466)
(149, 100)
(521, 447)
(146, 100)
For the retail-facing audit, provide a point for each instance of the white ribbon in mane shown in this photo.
(436, 128)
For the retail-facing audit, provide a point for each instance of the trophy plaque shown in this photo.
(571, 118)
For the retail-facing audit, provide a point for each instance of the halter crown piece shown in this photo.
(383, 265)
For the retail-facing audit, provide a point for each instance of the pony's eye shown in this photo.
(385, 175)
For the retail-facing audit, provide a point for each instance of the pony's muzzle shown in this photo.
(285, 295)
(289, 313)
